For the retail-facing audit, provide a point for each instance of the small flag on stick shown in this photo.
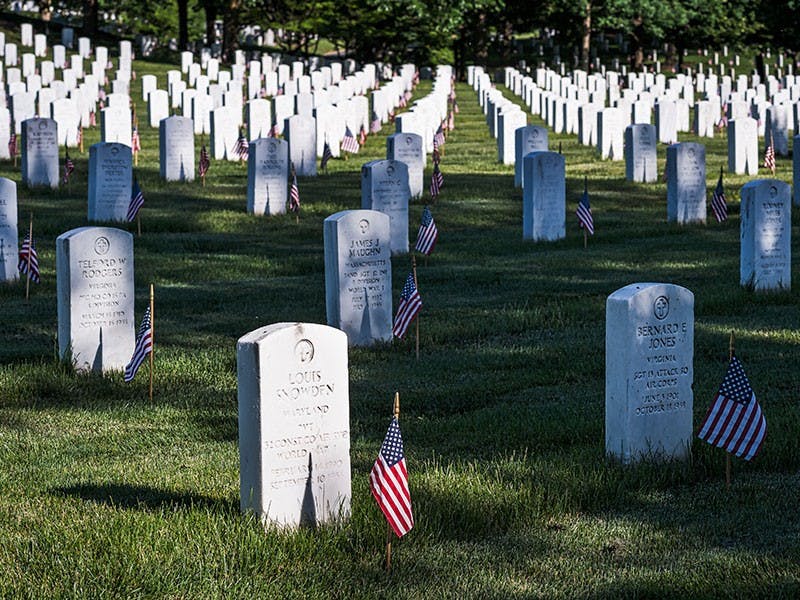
(735, 421)
(242, 146)
(769, 155)
(410, 305)
(136, 144)
(349, 143)
(388, 482)
(29, 260)
(143, 347)
(584, 212)
(437, 181)
(428, 234)
(719, 205)
(294, 193)
(203, 164)
(69, 166)
(327, 154)
(137, 200)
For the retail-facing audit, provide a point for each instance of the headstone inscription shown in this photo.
(358, 275)
(301, 134)
(649, 372)
(641, 163)
(384, 187)
(9, 238)
(294, 424)
(95, 297)
(110, 176)
(267, 176)
(743, 146)
(176, 148)
(765, 231)
(686, 183)
(407, 148)
(40, 152)
(527, 139)
(544, 196)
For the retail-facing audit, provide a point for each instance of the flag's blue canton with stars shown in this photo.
(584, 214)
(144, 346)
(388, 482)
(735, 421)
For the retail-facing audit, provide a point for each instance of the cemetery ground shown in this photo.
(104, 493)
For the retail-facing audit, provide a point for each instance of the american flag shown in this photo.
(28, 254)
(69, 167)
(326, 156)
(294, 194)
(144, 346)
(92, 119)
(735, 421)
(437, 181)
(455, 107)
(362, 136)
(204, 163)
(769, 155)
(718, 204)
(427, 234)
(451, 121)
(438, 139)
(273, 131)
(137, 200)
(391, 116)
(242, 147)
(410, 303)
(136, 142)
(388, 482)
(584, 213)
(12, 144)
(80, 135)
(375, 124)
(349, 143)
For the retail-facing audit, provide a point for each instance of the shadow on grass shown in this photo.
(142, 498)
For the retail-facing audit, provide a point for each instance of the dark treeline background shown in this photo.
(452, 31)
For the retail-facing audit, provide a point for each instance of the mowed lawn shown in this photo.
(106, 494)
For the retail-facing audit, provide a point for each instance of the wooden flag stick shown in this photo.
(152, 339)
(396, 413)
(731, 348)
(30, 253)
(138, 224)
(414, 271)
(80, 128)
(585, 236)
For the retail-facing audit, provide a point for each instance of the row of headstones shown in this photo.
(572, 108)
(607, 129)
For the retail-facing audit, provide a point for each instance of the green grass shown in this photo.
(105, 494)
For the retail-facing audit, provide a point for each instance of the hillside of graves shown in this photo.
(106, 492)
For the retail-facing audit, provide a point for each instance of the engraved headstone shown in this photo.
(649, 372)
(544, 196)
(176, 148)
(116, 125)
(640, 153)
(384, 187)
(407, 148)
(686, 183)
(509, 120)
(301, 133)
(267, 173)
(743, 146)
(527, 139)
(9, 239)
(40, 152)
(765, 231)
(110, 174)
(294, 424)
(610, 133)
(95, 297)
(157, 106)
(224, 134)
(358, 275)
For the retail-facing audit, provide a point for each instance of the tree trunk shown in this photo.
(586, 39)
(230, 30)
(183, 24)
(637, 37)
(90, 17)
(211, 19)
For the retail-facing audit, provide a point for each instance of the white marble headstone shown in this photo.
(176, 148)
(649, 372)
(110, 177)
(95, 297)
(358, 275)
(686, 183)
(544, 196)
(384, 187)
(267, 176)
(40, 152)
(294, 424)
(765, 231)
(9, 238)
